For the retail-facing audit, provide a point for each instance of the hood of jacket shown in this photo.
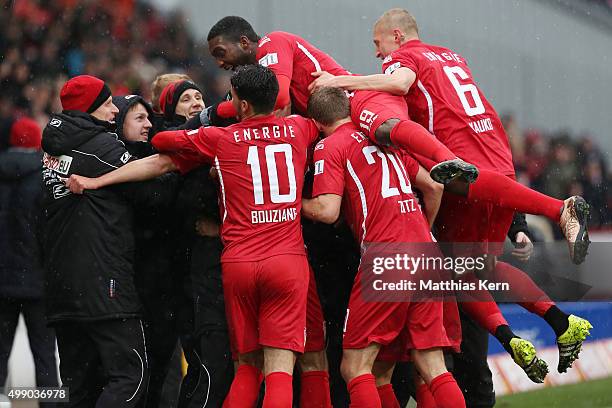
(16, 163)
(70, 129)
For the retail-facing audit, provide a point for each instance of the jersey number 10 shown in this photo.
(275, 196)
(463, 90)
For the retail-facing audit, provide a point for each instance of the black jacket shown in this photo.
(89, 243)
(21, 217)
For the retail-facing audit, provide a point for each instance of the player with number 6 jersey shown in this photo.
(383, 117)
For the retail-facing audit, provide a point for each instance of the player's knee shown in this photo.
(430, 363)
(353, 365)
(383, 133)
(313, 361)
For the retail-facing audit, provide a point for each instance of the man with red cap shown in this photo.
(21, 270)
(89, 246)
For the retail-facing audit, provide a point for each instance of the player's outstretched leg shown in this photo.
(571, 215)
(569, 329)
(416, 140)
(570, 342)
(481, 307)
(445, 390)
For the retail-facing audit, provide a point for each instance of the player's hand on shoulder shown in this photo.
(323, 79)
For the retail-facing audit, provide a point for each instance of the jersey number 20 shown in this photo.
(386, 189)
(275, 196)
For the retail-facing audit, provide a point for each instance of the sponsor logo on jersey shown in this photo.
(319, 146)
(264, 40)
(60, 164)
(388, 58)
(269, 59)
(318, 167)
(391, 68)
(125, 157)
(55, 122)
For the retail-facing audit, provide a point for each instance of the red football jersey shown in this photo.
(290, 55)
(261, 164)
(445, 100)
(378, 202)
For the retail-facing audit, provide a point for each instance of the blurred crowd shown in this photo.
(128, 43)
(561, 164)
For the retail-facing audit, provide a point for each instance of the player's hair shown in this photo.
(399, 18)
(160, 83)
(257, 85)
(328, 105)
(232, 28)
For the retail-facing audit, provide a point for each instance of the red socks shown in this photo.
(279, 390)
(505, 192)
(446, 392)
(424, 397)
(363, 393)
(416, 139)
(387, 397)
(245, 387)
(480, 306)
(523, 290)
(315, 390)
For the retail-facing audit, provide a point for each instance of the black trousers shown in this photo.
(103, 363)
(41, 338)
(205, 337)
(470, 367)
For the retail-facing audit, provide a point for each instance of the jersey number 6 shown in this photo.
(462, 90)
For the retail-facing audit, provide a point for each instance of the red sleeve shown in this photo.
(188, 149)
(396, 60)
(226, 110)
(328, 169)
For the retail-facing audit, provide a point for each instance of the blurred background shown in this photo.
(544, 65)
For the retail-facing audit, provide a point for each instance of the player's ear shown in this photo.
(398, 36)
(244, 105)
(244, 42)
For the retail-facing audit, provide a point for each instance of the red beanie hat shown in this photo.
(84, 93)
(26, 133)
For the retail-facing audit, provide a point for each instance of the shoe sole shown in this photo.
(447, 171)
(581, 246)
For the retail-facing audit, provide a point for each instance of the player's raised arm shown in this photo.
(397, 83)
(137, 170)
